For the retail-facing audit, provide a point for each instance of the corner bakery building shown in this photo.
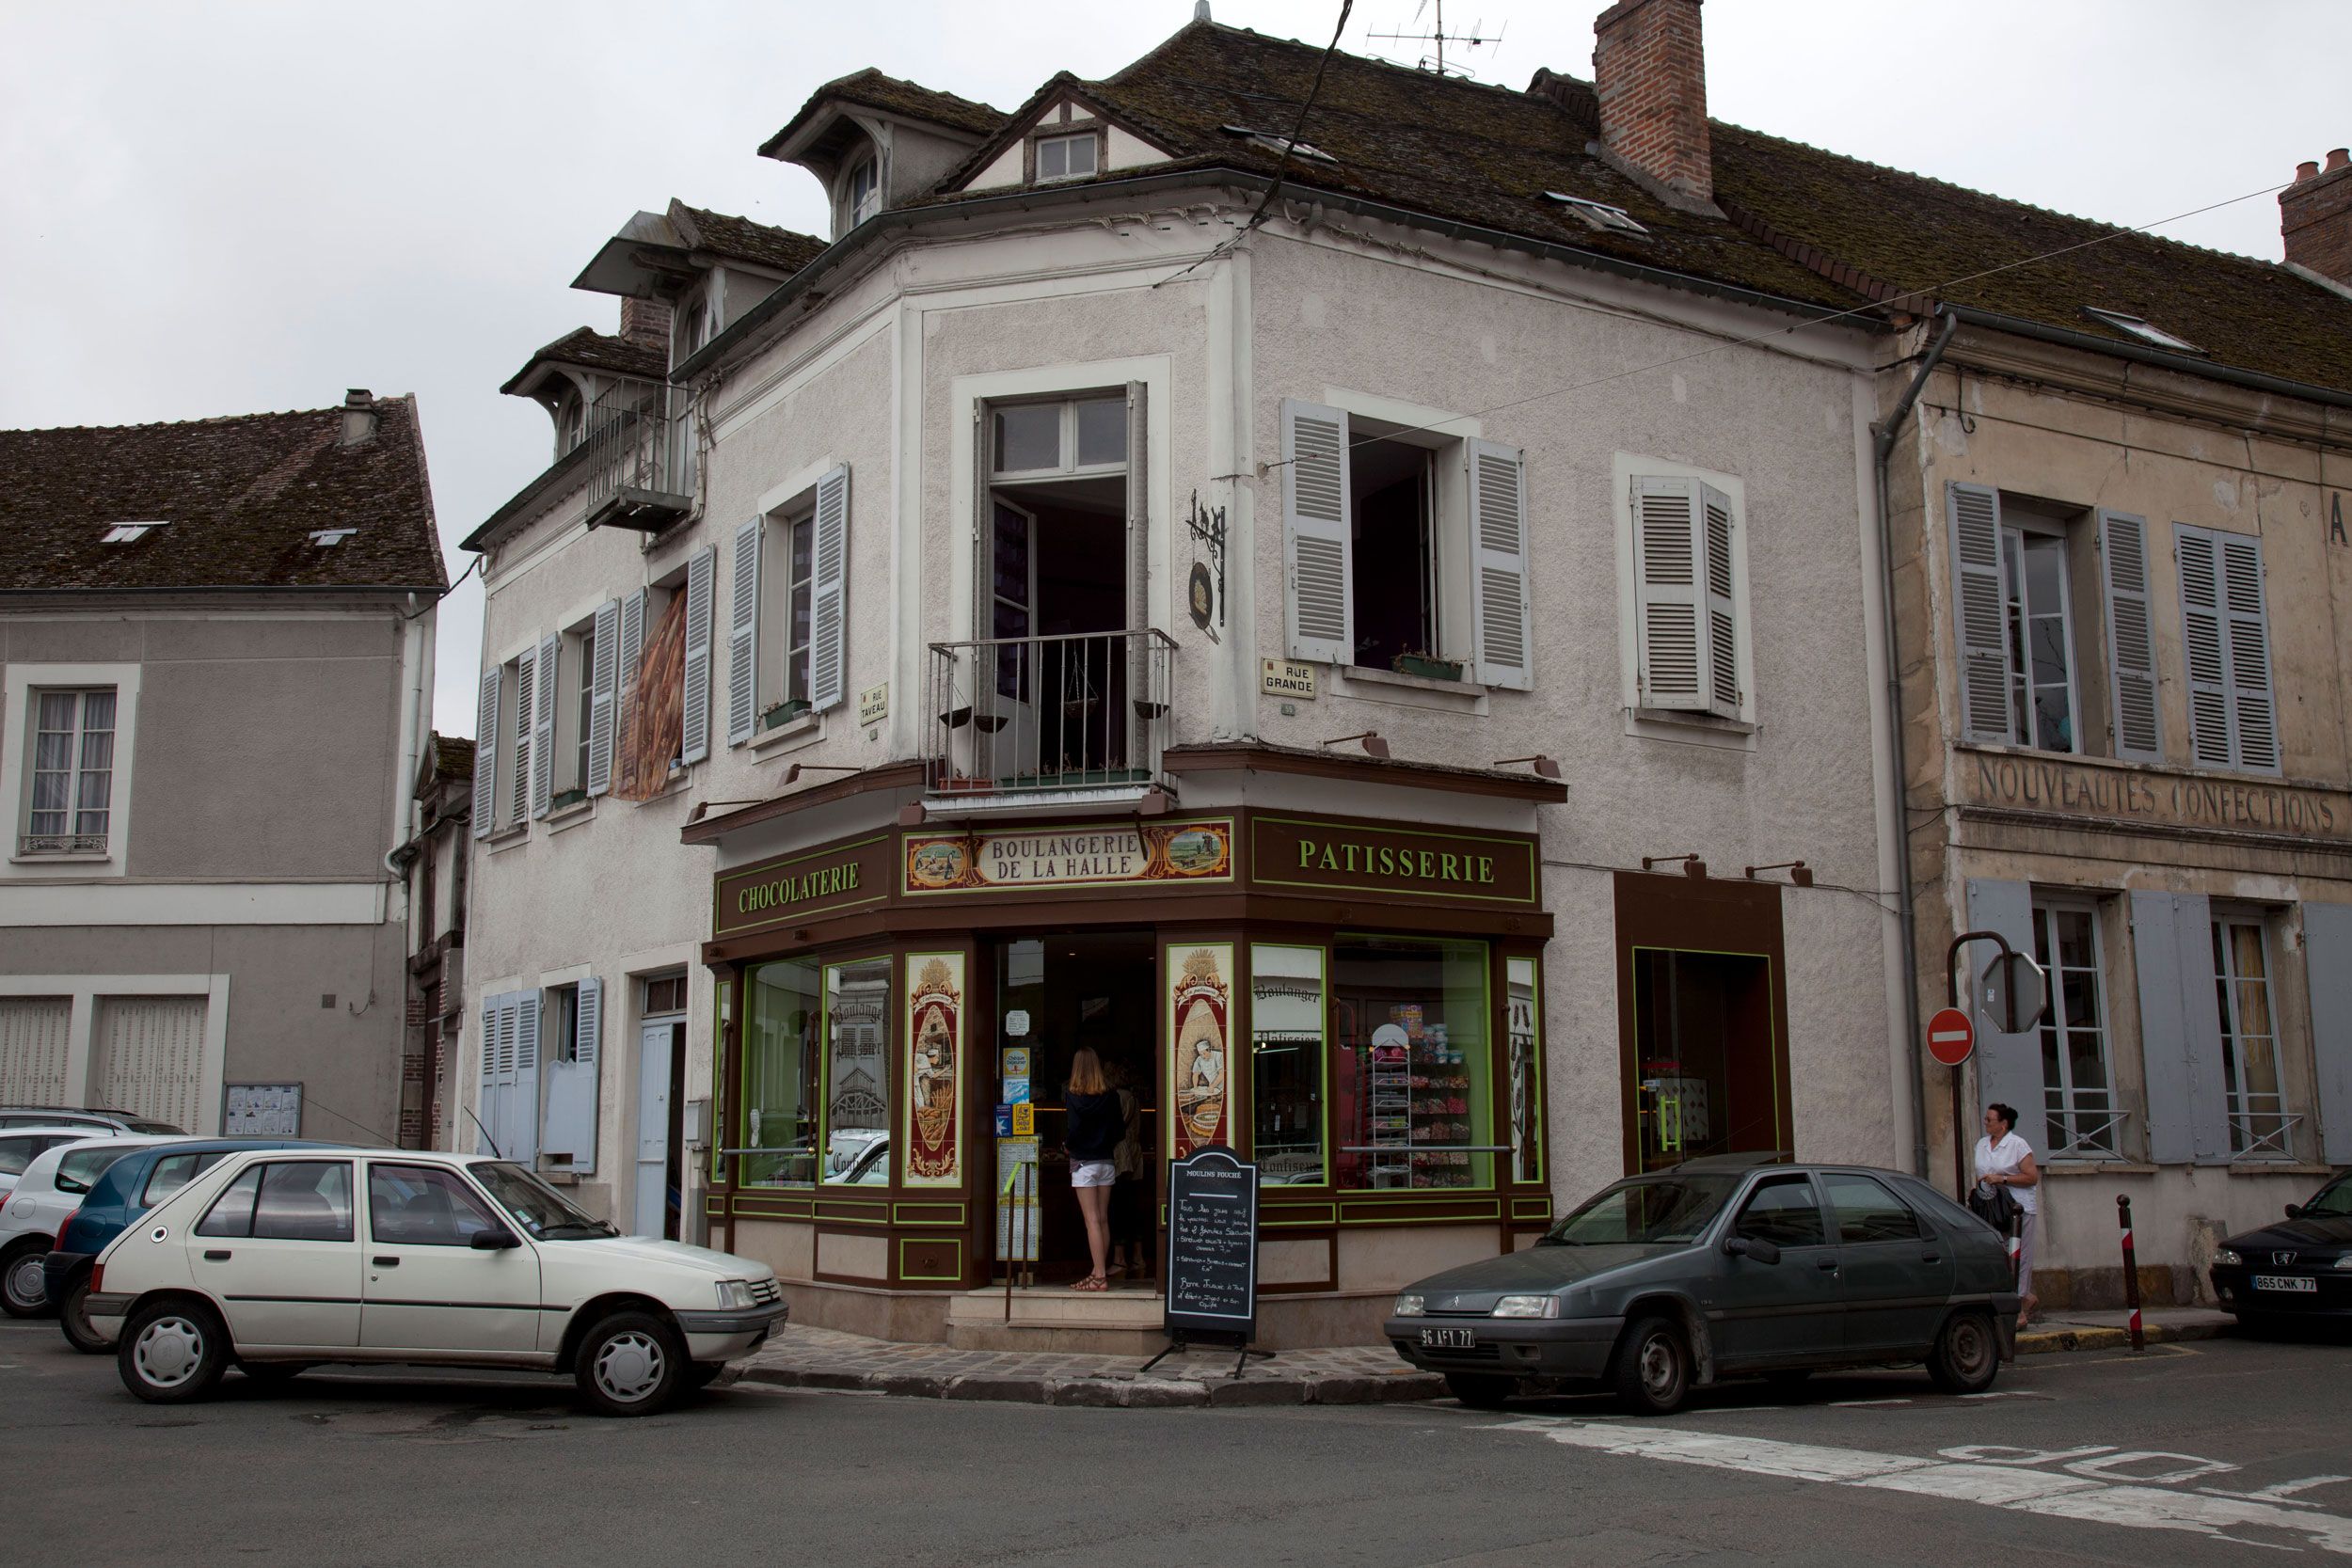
(1353, 1004)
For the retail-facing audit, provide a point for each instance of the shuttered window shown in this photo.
(543, 725)
(702, 574)
(603, 674)
(573, 1035)
(2225, 638)
(1689, 596)
(1974, 513)
(2138, 718)
(1316, 532)
(526, 680)
(485, 755)
(829, 620)
(1503, 631)
(150, 1058)
(744, 633)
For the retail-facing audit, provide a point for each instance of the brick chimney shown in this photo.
(358, 416)
(1651, 74)
(2315, 217)
(645, 322)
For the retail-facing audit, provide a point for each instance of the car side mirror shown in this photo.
(2295, 1210)
(1752, 1246)
(495, 1241)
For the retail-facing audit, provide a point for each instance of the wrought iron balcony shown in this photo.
(641, 458)
(1084, 714)
(61, 844)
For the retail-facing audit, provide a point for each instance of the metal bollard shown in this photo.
(2131, 1274)
(2016, 1244)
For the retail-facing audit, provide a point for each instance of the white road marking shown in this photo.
(1996, 1483)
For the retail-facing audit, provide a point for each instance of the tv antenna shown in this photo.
(1437, 37)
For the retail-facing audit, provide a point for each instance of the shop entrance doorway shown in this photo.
(1055, 993)
(1709, 1065)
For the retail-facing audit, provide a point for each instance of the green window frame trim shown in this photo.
(883, 1055)
(1540, 1144)
(1323, 1014)
(1484, 1117)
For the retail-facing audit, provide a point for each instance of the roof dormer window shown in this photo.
(130, 534)
(328, 537)
(862, 191)
(1069, 157)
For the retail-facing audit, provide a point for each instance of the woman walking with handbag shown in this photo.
(2004, 1170)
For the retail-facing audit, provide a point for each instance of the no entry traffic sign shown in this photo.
(1950, 1037)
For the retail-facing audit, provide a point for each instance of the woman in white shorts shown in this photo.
(1095, 1123)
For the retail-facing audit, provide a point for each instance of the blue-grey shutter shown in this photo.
(523, 1105)
(1317, 525)
(632, 650)
(485, 1095)
(543, 725)
(829, 618)
(1501, 628)
(2204, 647)
(702, 574)
(1716, 526)
(2131, 638)
(571, 1119)
(602, 697)
(2327, 963)
(2009, 1066)
(1669, 594)
(743, 636)
(2180, 1028)
(526, 692)
(485, 755)
(2255, 713)
(1980, 613)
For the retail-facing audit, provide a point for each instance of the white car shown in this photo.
(19, 1146)
(280, 1259)
(52, 1186)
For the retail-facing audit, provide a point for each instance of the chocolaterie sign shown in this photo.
(801, 886)
(2097, 792)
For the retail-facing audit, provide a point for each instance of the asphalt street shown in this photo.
(2219, 1452)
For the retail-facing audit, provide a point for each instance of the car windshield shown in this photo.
(2334, 1199)
(83, 1166)
(1651, 1210)
(539, 1208)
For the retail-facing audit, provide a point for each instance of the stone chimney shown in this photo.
(358, 416)
(645, 322)
(2315, 217)
(1650, 74)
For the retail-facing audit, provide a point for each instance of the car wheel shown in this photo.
(172, 1351)
(274, 1375)
(22, 1293)
(631, 1364)
(1478, 1392)
(1967, 1355)
(1652, 1372)
(73, 1317)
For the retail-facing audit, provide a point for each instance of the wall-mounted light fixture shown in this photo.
(1374, 745)
(792, 774)
(701, 807)
(1544, 766)
(1799, 873)
(1691, 864)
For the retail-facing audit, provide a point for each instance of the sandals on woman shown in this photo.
(1093, 1282)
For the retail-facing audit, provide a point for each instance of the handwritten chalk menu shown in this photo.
(1213, 1243)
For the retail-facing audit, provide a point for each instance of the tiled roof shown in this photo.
(595, 351)
(741, 239)
(889, 94)
(1911, 233)
(452, 756)
(241, 496)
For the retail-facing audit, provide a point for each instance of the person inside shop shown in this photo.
(1093, 1126)
(2005, 1171)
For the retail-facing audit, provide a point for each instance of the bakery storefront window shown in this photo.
(780, 1031)
(1414, 1064)
(1286, 1064)
(857, 1105)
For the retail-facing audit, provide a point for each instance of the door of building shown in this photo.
(1709, 1068)
(660, 1059)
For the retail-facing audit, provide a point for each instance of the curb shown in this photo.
(2046, 1342)
(1110, 1393)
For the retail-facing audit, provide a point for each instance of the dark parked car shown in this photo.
(132, 1185)
(2297, 1270)
(1721, 1268)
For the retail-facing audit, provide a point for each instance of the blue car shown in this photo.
(130, 1187)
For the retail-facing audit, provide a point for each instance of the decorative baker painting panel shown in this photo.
(935, 1075)
(1199, 1036)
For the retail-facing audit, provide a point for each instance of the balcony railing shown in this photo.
(61, 844)
(1083, 712)
(641, 459)
(2085, 1130)
(2261, 1127)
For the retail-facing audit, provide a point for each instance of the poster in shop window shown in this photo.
(935, 1079)
(1200, 1011)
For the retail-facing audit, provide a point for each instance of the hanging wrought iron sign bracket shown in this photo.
(1207, 598)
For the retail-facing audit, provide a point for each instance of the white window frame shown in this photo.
(2014, 535)
(19, 711)
(574, 687)
(2277, 1140)
(788, 505)
(857, 206)
(73, 825)
(2063, 1100)
(1675, 724)
(1058, 137)
(1446, 437)
(1066, 466)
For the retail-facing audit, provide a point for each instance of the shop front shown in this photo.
(1355, 1007)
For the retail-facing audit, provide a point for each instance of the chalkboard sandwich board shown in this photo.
(1211, 1271)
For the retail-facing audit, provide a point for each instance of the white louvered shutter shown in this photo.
(486, 1094)
(602, 697)
(1317, 522)
(543, 725)
(526, 691)
(524, 1106)
(1503, 626)
(829, 620)
(694, 724)
(2131, 636)
(2254, 725)
(1975, 511)
(2206, 649)
(743, 636)
(1716, 528)
(632, 649)
(485, 755)
(1669, 606)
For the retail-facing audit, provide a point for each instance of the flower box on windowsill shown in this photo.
(564, 798)
(783, 713)
(1427, 668)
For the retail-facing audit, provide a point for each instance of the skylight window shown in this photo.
(325, 537)
(130, 534)
(2142, 330)
(1598, 214)
(1277, 142)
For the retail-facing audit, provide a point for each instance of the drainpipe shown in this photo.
(1883, 435)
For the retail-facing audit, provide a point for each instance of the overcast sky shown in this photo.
(230, 207)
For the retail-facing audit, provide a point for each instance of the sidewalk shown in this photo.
(801, 1357)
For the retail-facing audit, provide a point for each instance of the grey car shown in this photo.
(1728, 1267)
